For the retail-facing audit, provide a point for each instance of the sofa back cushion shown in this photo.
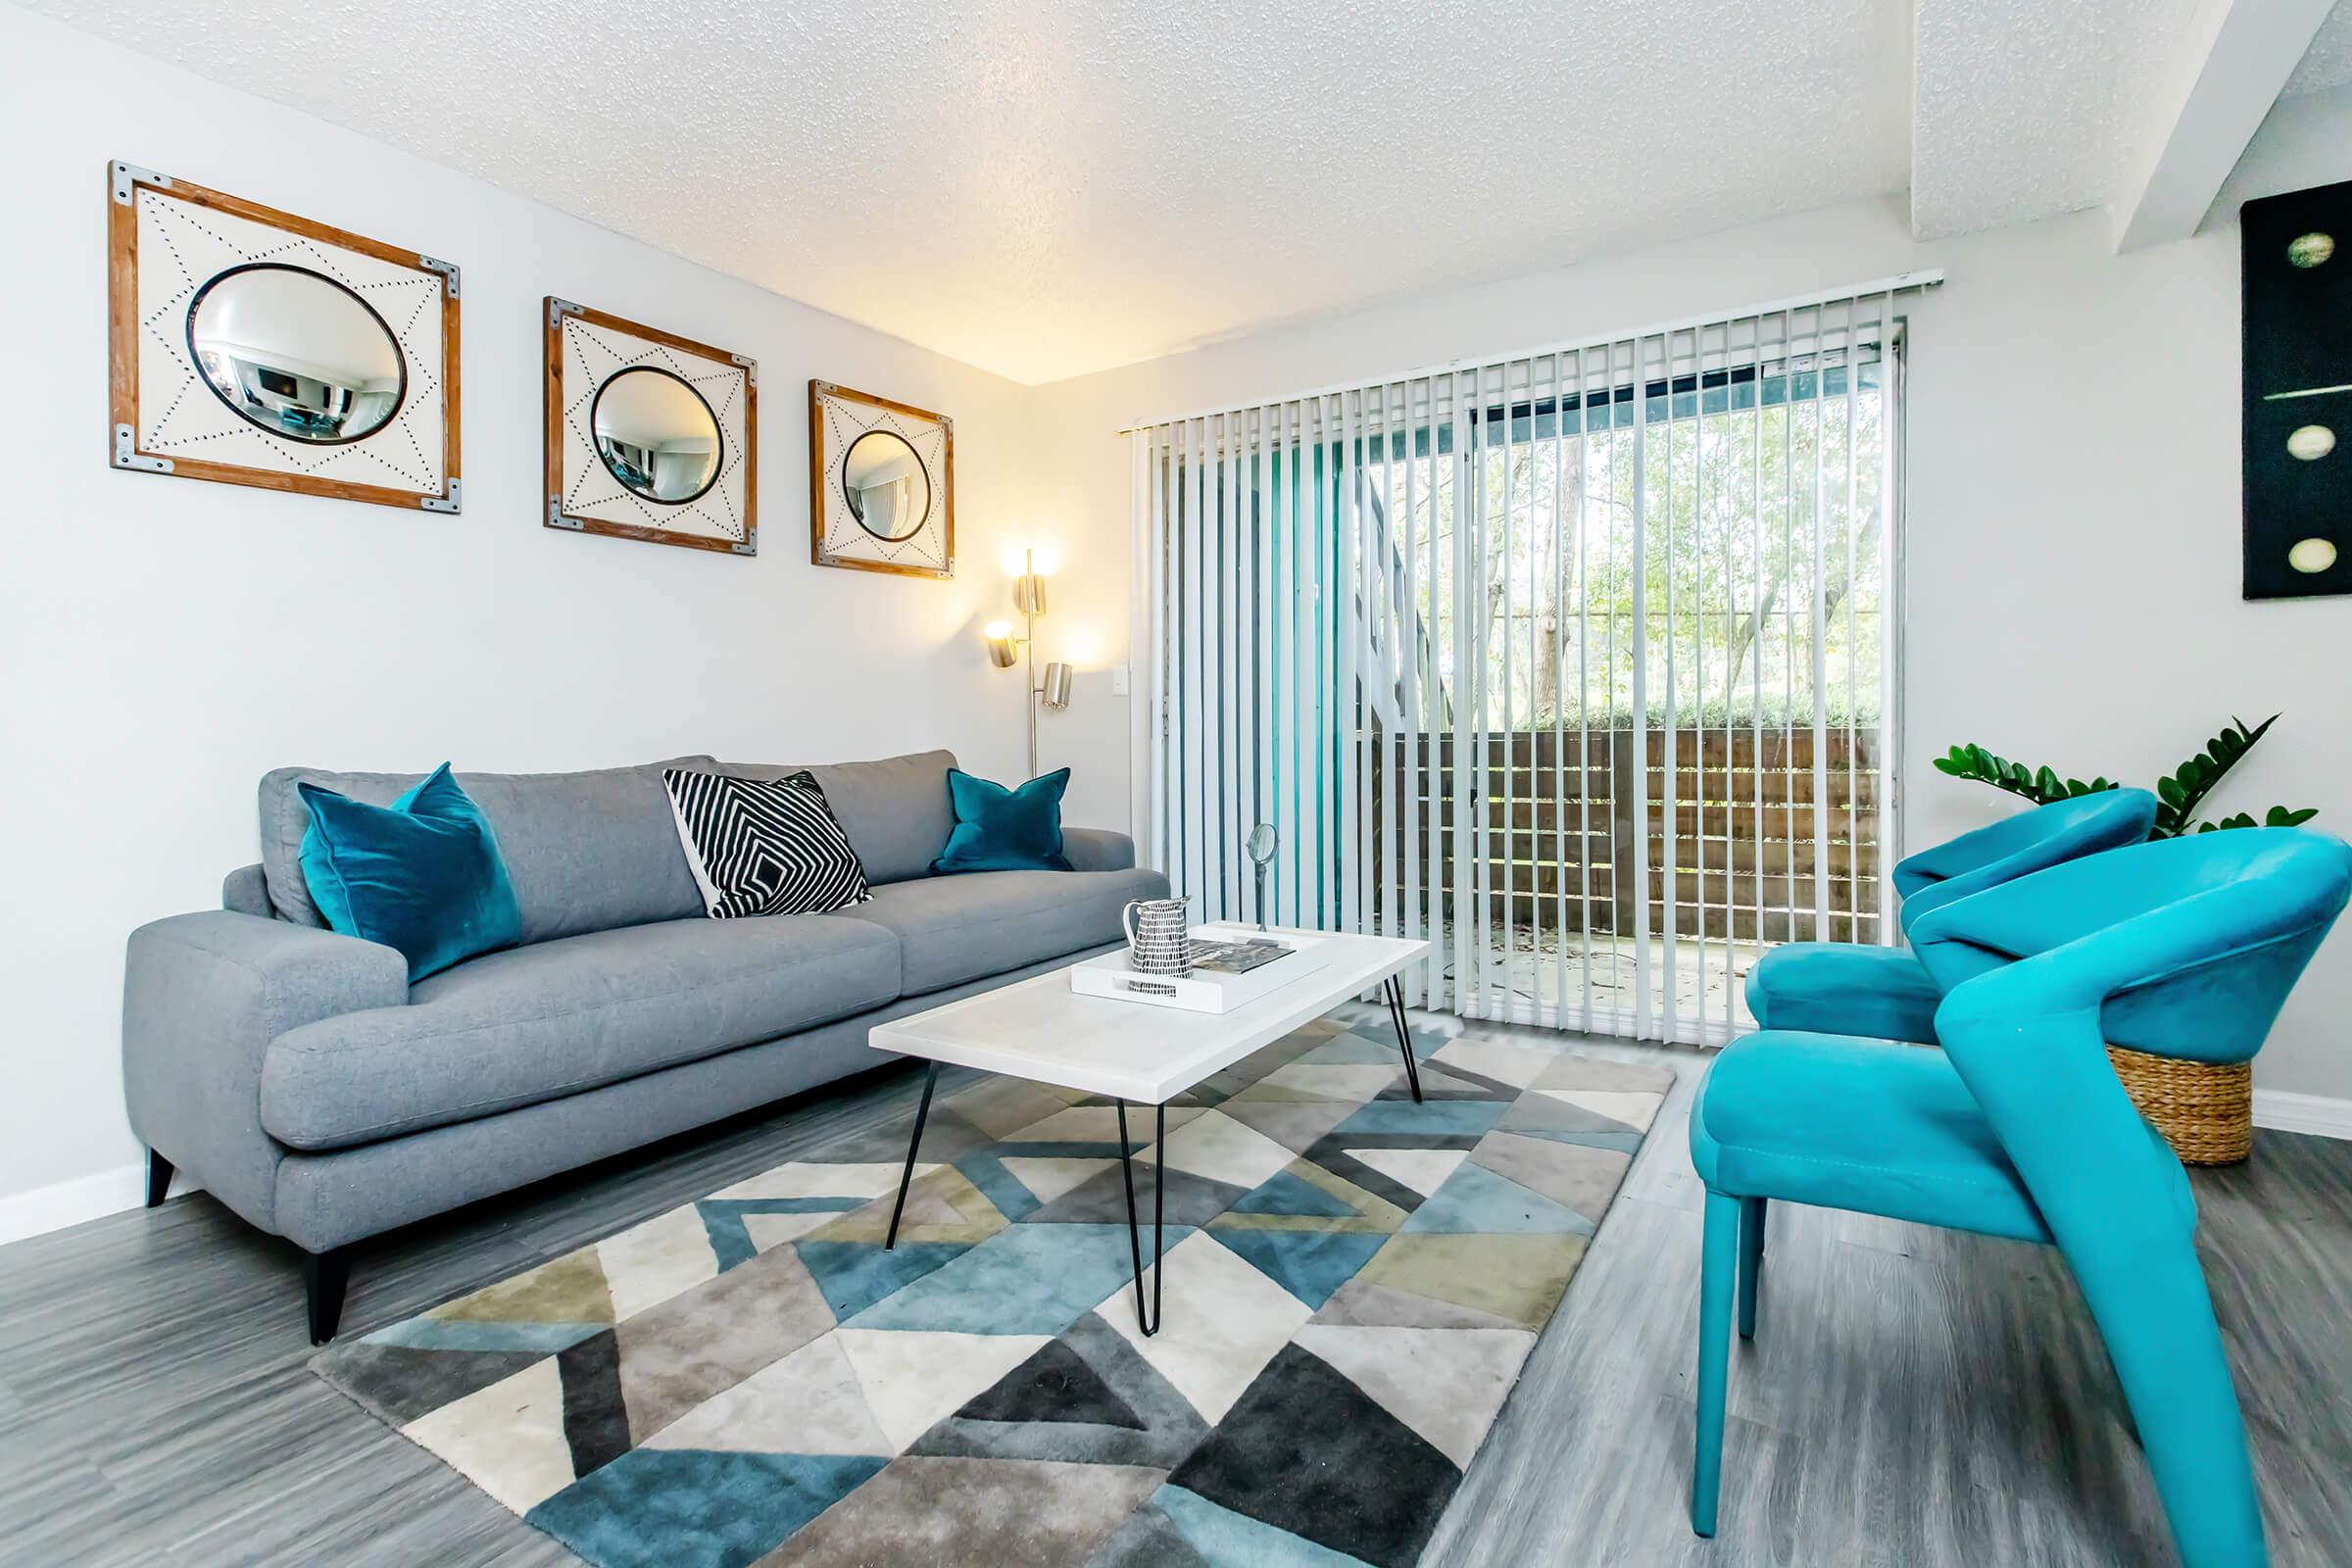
(894, 810)
(586, 852)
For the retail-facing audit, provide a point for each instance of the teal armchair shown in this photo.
(1881, 993)
(2018, 1127)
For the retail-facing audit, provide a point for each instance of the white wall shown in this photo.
(163, 641)
(2073, 526)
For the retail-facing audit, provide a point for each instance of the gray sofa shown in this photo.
(306, 1085)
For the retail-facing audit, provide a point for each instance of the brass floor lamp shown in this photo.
(1005, 649)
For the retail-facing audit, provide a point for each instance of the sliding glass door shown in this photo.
(1576, 664)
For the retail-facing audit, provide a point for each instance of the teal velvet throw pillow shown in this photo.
(423, 876)
(998, 829)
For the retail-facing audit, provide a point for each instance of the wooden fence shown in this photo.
(1752, 857)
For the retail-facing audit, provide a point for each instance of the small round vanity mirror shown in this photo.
(657, 434)
(1260, 847)
(885, 485)
(296, 353)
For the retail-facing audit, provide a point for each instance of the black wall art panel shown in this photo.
(2298, 392)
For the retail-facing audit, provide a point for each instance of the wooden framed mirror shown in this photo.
(250, 346)
(649, 435)
(881, 484)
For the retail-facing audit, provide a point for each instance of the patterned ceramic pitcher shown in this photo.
(1157, 942)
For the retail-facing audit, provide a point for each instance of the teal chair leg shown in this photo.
(1751, 1260)
(1718, 1264)
(2156, 1315)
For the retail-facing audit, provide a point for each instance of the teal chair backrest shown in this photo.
(2181, 948)
(2020, 845)
(2185, 948)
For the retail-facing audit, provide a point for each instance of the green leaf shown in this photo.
(1974, 762)
(2200, 774)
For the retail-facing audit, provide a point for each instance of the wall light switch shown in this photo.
(1118, 680)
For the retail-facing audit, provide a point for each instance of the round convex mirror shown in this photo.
(888, 491)
(296, 353)
(657, 434)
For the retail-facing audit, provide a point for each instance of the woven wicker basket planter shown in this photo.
(2205, 1110)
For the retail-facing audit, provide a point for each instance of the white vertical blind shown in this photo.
(1577, 663)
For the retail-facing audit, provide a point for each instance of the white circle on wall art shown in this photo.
(2310, 250)
(2311, 442)
(2312, 555)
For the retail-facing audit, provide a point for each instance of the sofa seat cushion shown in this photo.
(540, 1022)
(957, 928)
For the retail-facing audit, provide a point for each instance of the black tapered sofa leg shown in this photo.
(323, 1277)
(159, 1178)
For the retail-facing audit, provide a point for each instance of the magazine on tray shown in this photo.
(1237, 957)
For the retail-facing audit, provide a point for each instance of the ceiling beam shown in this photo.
(2234, 60)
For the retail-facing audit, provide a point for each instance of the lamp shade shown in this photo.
(1029, 594)
(1055, 688)
(999, 643)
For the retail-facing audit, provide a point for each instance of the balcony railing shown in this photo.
(1749, 858)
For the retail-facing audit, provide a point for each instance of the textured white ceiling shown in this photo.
(2025, 108)
(1044, 187)
(1048, 188)
(2328, 62)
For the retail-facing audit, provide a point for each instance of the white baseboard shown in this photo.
(70, 1202)
(2303, 1113)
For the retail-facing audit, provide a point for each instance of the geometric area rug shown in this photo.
(1354, 1281)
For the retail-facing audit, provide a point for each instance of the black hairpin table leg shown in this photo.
(1149, 1324)
(1394, 992)
(923, 1113)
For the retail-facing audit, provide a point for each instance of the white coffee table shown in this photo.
(1041, 1030)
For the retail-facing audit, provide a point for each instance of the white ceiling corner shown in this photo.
(2023, 109)
(2230, 71)
(2328, 63)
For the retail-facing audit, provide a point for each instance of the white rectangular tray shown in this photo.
(1112, 974)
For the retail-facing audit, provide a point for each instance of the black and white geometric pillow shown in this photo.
(760, 847)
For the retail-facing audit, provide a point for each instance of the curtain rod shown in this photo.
(1901, 283)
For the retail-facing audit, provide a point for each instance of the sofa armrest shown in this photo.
(202, 996)
(1096, 849)
(247, 892)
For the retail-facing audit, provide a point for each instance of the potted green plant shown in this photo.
(2179, 795)
(2204, 1109)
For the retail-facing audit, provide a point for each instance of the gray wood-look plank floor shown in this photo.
(1912, 1395)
